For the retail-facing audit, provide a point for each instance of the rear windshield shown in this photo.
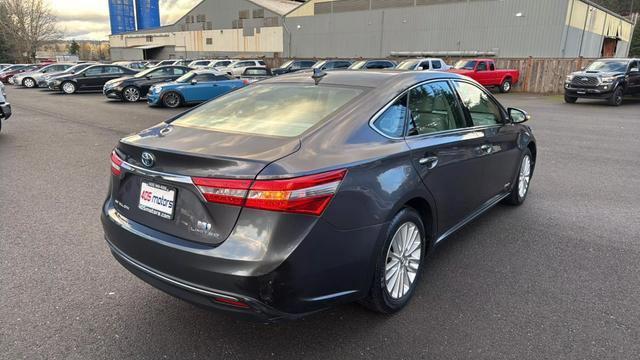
(270, 109)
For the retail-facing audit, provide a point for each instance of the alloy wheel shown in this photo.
(525, 176)
(29, 83)
(403, 260)
(171, 100)
(506, 86)
(131, 94)
(68, 88)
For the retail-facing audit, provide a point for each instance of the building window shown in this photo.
(149, 38)
(258, 13)
(201, 18)
(243, 14)
(209, 26)
(271, 21)
(209, 41)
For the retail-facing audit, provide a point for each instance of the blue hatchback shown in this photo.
(192, 88)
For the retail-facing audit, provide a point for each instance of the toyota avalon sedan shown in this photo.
(311, 189)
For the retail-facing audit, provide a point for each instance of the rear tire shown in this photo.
(505, 87)
(570, 99)
(523, 181)
(69, 87)
(172, 100)
(616, 97)
(29, 83)
(391, 291)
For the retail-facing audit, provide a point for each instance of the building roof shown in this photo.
(280, 7)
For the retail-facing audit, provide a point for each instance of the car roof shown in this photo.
(364, 78)
(208, 71)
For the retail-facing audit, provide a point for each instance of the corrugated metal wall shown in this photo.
(511, 28)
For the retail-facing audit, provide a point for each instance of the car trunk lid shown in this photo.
(159, 192)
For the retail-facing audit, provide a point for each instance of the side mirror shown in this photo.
(518, 116)
(582, 68)
(634, 70)
(420, 68)
(194, 82)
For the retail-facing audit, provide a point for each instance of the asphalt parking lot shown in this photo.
(556, 278)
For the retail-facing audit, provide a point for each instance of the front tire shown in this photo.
(69, 87)
(570, 99)
(616, 97)
(520, 190)
(29, 83)
(172, 100)
(131, 94)
(399, 264)
(505, 87)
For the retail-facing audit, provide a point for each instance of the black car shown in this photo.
(332, 64)
(607, 79)
(133, 88)
(293, 66)
(43, 81)
(300, 192)
(5, 107)
(372, 64)
(91, 78)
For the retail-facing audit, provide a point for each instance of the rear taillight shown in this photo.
(304, 195)
(223, 191)
(116, 163)
(245, 81)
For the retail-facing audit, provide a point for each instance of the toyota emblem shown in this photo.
(148, 159)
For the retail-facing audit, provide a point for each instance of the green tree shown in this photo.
(73, 48)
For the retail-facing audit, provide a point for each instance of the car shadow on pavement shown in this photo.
(345, 329)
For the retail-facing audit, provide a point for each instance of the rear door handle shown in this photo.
(430, 162)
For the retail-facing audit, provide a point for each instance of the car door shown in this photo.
(500, 152)
(445, 151)
(483, 75)
(634, 77)
(200, 89)
(89, 79)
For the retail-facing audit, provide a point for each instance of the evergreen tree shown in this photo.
(73, 48)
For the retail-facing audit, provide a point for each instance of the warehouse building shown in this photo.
(212, 28)
(383, 28)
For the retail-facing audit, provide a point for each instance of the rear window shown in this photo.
(270, 109)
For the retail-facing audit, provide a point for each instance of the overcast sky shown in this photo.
(89, 19)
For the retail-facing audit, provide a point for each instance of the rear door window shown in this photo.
(392, 121)
(95, 71)
(480, 108)
(433, 108)
(436, 64)
(284, 110)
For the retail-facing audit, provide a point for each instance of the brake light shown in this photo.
(245, 81)
(304, 195)
(116, 162)
(223, 191)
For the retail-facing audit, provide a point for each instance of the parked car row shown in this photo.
(5, 107)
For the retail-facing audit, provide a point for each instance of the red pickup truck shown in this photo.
(485, 72)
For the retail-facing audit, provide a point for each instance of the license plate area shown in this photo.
(157, 199)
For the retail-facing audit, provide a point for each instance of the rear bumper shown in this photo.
(276, 278)
(5, 110)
